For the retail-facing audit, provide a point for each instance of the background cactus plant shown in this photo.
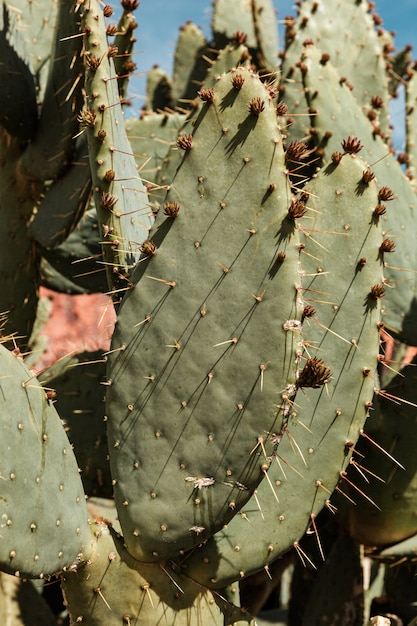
(244, 227)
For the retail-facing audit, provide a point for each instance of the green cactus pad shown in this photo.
(80, 403)
(257, 20)
(151, 136)
(393, 425)
(151, 593)
(77, 264)
(52, 149)
(313, 449)
(43, 510)
(52, 222)
(120, 197)
(158, 90)
(199, 370)
(345, 31)
(189, 68)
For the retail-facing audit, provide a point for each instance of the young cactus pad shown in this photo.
(42, 506)
(203, 357)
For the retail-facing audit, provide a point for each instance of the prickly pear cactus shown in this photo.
(151, 594)
(42, 506)
(195, 382)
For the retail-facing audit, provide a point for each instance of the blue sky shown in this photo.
(159, 22)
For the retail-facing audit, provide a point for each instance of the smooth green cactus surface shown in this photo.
(43, 509)
(186, 419)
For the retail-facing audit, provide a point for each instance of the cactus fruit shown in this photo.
(208, 372)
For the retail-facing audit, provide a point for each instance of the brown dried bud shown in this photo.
(237, 81)
(129, 5)
(377, 291)
(107, 11)
(295, 151)
(148, 248)
(388, 245)
(336, 157)
(111, 30)
(101, 135)
(256, 106)
(129, 66)
(109, 176)
(308, 311)
(282, 108)
(112, 51)
(107, 200)
(351, 145)
(171, 208)
(385, 194)
(87, 117)
(377, 102)
(380, 209)
(367, 176)
(185, 142)
(314, 374)
(325, 57)
(92, 61)
(296, 210)
(206, 95)
(239, 38)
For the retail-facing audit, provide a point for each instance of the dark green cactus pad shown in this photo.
(124, 41)
(53, 148)
(52, 221)
(151, 137)
(151, 593)
(77, 381)
(43, 510)
(76, 266)
(321, 83)
(120, 197)
(158, 91)
(198, 370)
(32, 35)
(345, 32)
(18, 107)
(392, 517)
(336, 597)
(190, 68)
(19, 259)
(344, 332)
(257, 20)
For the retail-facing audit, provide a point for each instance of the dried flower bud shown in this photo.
(308, 311)
(387, 245)
(148, 248)
(237, 81)
(87, 117)
(296, 151)
(107, 200)
(185, 142)
(206, 95)
(107, 11)
(377, 291)
(336, 157)
(239, 38)
(282, 108)
(314, 374)
(296, 209)
(351, 145)
(171, 209)
(385, 194)
(380, 209)
(367, 176)
(256, 106)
